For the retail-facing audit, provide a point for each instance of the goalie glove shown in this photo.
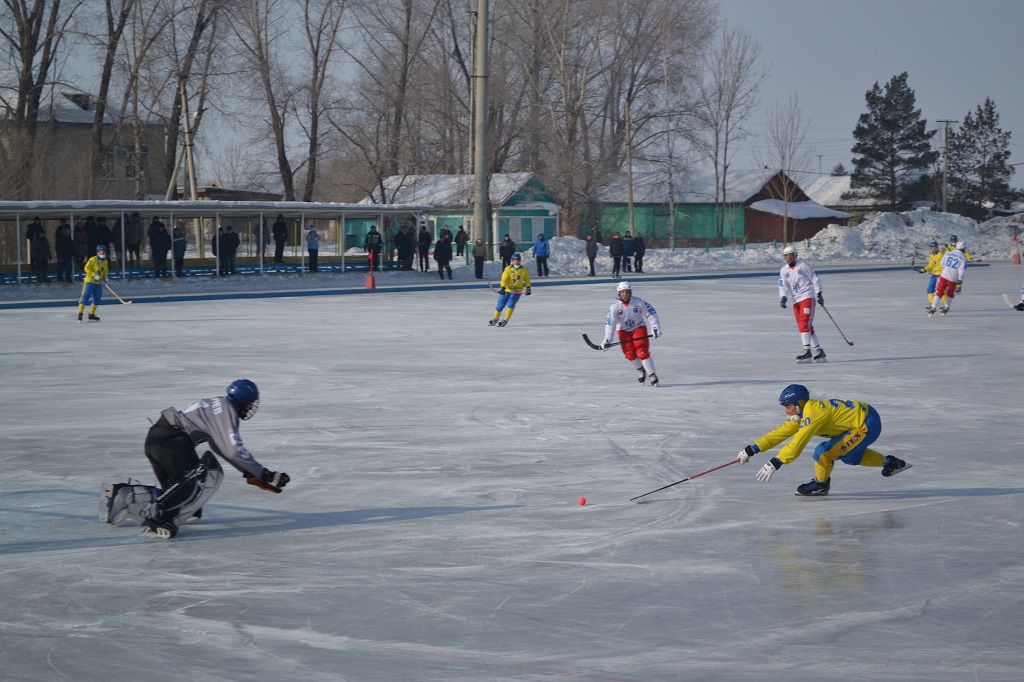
(769, 468)
(271, 481)
(746, 453)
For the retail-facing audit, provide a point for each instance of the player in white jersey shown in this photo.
(951, 279)
(798, 281)
(631, 318)
(186, 480)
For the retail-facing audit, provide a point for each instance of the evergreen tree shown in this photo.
(892, 144)
(839, 169)
(979, 170)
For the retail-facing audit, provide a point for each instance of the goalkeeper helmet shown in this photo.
(793, 394)
(244, 395)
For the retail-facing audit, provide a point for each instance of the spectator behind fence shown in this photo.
(81, 240)
(443, 255)
(104, 237)
(280, 231)
(64, 245)
(133, 240)
(313, 246)
(33, 228)
(403, 245)
(231, 243)
(154, 227)
(374, 245)
(479, 256)
(40, 255)
(423, 242)
(178, 251)
(160, 244)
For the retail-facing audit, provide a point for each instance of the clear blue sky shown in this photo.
(831, 52)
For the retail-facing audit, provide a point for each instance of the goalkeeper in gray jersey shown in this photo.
(186, 480)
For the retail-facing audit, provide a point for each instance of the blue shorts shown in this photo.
(509, 298)
(93, 291)
(859, 440)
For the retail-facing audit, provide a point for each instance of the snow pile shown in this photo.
(885, 237)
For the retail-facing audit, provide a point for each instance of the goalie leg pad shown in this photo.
(122, 501)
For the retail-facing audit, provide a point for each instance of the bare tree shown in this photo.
(727, 97)
(787, 152)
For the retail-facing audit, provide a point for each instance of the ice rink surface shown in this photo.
(432, 532)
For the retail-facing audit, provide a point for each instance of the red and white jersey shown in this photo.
(953, 265)
(798, 282)
(629, 316)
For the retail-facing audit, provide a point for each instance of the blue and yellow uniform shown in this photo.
(849, 425)
(933, 268)
(96, 270)
(514, 281)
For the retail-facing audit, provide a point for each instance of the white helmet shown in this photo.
(789, 250)
(623, 286)
(960, 246)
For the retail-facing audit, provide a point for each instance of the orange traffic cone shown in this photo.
(371, 283)
(1016, 258)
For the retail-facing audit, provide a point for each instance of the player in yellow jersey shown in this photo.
(514, 281)
(933, 268)
(849, 425)
(96, 269)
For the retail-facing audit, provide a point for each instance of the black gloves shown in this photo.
(959, 285)
(821, 299)
(501, 290)
(272, 481)
(527, 291)
(782, 302)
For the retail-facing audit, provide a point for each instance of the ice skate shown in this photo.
(805, 358)
(503, 322)
(493, 321)
(654, 380)
(945, 309)
(641, 375)
(820, 355)
(79, 318)
(893, 465)
(814, 487)
(931, 311)
(94, 318)
(157, 526)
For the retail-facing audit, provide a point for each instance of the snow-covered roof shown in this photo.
(828, 191)
(63, 104)
(447, 191)
(798, 210)
(654, 187)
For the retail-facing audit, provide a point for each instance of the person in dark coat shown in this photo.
(35, 227)
(178, 244)
(443, 255)
(628, 250)
(65, 248)
(640, 248)
(479, 256)
(92, 239)
(507, 248)
(231, 243)
(404, 248)
(374, 245)
(154, 227)
(280, 231)
(160, 244)
(81, 239)
(423, 242)
(461, 237)
(40, 255)
(133, 240)
(104, 236)
(591, 253)
(616, 249)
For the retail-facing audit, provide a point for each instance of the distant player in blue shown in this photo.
(96, 269)
(514, 281)
(849, 426)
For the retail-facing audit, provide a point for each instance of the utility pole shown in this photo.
(945, 160)
(481, 200)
